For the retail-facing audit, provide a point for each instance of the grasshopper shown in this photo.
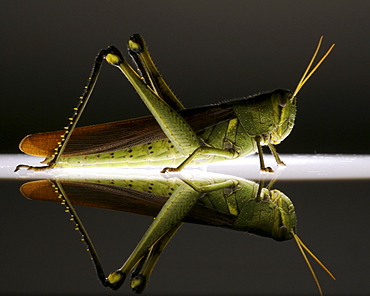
(208, 199)
(173, 136)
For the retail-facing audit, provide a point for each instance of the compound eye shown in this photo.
(283, 232)
(282, 100)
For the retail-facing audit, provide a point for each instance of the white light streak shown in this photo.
(299, 167)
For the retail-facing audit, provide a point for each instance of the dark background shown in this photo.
(208, 51)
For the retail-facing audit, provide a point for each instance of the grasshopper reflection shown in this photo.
(209, 199)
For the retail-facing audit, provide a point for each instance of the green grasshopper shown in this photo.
(173, 136)
(209, 199)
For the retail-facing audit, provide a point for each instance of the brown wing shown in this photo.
(109, 137)
(120, 199)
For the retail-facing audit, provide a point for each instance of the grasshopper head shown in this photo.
(270, 214)
(286, 100)
(285, 228)
(284, 218)
(284, 105)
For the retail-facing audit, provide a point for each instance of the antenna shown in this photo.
(306, 76)
(300, 245)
